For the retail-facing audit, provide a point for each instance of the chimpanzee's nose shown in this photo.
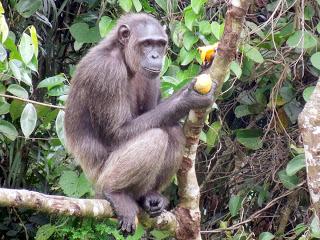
(155, 55)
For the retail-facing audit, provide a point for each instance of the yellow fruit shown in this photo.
(207, 53)
(203, 84)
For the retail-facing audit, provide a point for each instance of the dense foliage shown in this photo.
(250, 161)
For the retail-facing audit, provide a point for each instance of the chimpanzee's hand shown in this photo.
(127, 225)
(194, 99)
(154, 203)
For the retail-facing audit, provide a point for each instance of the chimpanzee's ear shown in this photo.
(124, 34)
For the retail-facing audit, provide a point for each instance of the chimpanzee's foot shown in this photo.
(127, 225)
(154, 203)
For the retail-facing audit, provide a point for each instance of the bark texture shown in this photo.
(309, 124)
(188, 213)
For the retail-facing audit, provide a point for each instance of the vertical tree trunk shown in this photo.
(188, 212)
(309, 124)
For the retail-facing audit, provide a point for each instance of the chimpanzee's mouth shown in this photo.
(153, 70)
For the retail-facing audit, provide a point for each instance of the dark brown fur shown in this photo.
(127, 142)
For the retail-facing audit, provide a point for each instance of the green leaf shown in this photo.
(164, 5)
(217, 29)
(26, 78)
(3, 53)
(302, 39)
(189, 18)
(189, 39)
(28, 7)
(250, 138)
(252, 53)
(18, 91)
(289, 182)
(105, 25)
(300, 228)
(15, 68)
(16, 108)
(28, 120)
(187, 57)
(293, 109)
(307, 92)
(318, 26)
(137, 5)
(295, 164)
(26, 48)
(242, 110)
(315, 227)
(74, 186)
(236, 69)
(58, 91)
(235, 205)
(159, 235)
(8, 130)
(308, 12)
(315, 60)
(126, 5)
(60, 127)
(34, 39)
(4, 30)
(205, 27)
(51, 82)
(266, 236)
(83, 34)
(45, 232)
(4, 108)
(197, 5)
(212, 135)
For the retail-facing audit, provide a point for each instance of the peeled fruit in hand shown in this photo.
(207, 53)
(203, 84)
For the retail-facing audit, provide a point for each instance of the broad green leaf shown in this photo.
(252, 53)
(250, 138)
(189, 18)
(302, 39)
(197, 5)
(26, 78)
(1, 9)
(8, 130)
(51, 82)
(28, 7)
(234, 205)
(16, 108)
(4, 30)
(293, 109)
(204, 27)
(300, 228)
(3, 53)
(187, 57)
(189, 39)
(164, 5)
(34, 39)
(137, 5)
(45, 232)
(26, 48)
(315, 227)
(126, 5)
(307, 92)
(83, 34)
(58, 91)
(295, 164)
(105, 25)
(308, 12)
(74, 186)
(18, 91)
(177, 34)
(28, 120)
(14, 66)
(266, 236)
(241, 111)
(315, 60)
(289, 182)
(4, 108)
(60, 127)
(159, 235)
(236, 69)
(217, 29)
(212, 135)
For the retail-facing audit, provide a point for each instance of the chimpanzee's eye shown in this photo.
(147, 43)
